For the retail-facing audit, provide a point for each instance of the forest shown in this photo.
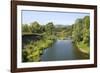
(47, 34)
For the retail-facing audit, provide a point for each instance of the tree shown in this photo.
(81, 31)
(86, 38)
(35, 27)
(25, 28)
(49, 27)
(77, 30)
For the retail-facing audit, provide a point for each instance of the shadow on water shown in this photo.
(79, 54)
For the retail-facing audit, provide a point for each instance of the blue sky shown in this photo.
(43, 17)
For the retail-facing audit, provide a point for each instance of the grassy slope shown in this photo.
(84, 48)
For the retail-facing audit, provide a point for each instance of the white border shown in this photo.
(53, 63)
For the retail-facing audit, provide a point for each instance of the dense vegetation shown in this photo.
(33, 49)
(79, 32)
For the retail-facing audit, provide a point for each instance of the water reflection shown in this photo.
(62, 50)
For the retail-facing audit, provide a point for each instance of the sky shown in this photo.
(43, 17)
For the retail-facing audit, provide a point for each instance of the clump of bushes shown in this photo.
(32, 51)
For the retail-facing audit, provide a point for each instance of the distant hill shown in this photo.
(60, 25)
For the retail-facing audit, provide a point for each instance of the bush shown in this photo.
(33, 50)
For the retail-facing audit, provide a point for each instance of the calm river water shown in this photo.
(60, 50)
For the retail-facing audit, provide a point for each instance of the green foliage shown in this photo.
(35, 27)
(86, 30)
(77, 30)
(81, 33)
(25, 28)
(49, 28)
(33, 50)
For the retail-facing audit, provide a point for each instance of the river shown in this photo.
(60, 50)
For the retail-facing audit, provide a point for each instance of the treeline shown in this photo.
(49, 29)
(35, 27)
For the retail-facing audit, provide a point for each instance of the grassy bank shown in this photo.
(81, 50)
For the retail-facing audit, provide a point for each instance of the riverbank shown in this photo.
(83, 48)
(81, 52)
(60, 50)
(34, 49)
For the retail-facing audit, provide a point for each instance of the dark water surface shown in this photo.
(60, 50)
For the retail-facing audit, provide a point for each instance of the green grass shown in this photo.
(83, 47)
